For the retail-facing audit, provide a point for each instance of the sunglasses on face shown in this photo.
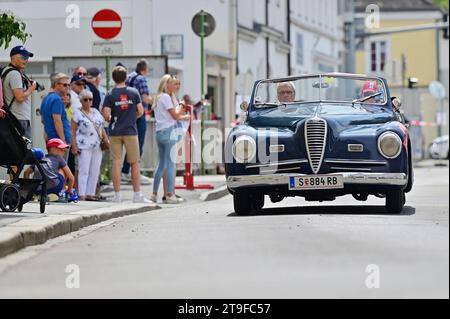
(286, 92)
(79, 83)
(24, 57)
(64, 84)
(87, 100)
(82, 73)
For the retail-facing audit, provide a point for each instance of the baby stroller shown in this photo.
(15, 150)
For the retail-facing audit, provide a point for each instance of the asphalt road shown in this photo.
(293, 249)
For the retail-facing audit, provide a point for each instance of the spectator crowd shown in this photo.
(81, 121)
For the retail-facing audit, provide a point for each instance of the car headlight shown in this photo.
(390, 145)
(244, 149)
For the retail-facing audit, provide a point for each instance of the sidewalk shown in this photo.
(430, 163)
(19, 230)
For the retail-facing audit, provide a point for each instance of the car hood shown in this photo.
(344, 114)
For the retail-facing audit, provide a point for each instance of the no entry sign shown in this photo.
(106, 24)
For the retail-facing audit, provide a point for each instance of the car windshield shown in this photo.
(327, 88)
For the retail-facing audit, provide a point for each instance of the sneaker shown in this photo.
(117, 199)
(142, 200)
(154, 198)
(52, 198)
(145, 180)
(180, 199)
(125, 178)
(171, 200)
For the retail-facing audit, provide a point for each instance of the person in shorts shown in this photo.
(121, 108)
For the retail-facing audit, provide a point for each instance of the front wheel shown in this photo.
(242, 203)
(395, 200)
(257, 201)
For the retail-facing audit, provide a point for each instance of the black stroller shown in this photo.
(15, 150)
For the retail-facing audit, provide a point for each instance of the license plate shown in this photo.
(316, 182)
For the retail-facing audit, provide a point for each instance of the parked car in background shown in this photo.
(319, 137)
(439, 148)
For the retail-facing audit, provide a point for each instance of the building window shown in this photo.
(378, 56)
(300, 49)
(325, 68)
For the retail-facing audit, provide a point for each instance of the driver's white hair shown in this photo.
(281, 84)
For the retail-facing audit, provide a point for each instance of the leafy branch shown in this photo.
(11, 27)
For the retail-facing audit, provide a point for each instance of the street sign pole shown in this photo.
(202, 79)
(202, 52)
(203, 25)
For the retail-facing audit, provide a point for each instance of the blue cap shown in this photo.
(20, 49)
(77, 78)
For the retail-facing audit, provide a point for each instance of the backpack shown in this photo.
(4, 71)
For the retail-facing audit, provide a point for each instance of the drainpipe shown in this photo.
(289, 36)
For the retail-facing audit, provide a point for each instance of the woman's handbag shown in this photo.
(104, 144)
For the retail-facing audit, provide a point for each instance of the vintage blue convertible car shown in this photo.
(320, 137)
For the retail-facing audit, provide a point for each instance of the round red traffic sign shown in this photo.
(106, 24)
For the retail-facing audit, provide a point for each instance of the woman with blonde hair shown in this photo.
(166, 116)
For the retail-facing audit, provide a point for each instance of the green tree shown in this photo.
(443, 4)
(11, 27)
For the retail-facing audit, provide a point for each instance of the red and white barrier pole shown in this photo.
(188, 177)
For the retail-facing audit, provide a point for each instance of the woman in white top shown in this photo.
(87, 135)
(166, 116)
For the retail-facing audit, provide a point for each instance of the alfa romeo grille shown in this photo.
(316, 136)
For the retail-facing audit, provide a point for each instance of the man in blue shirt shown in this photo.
(138, 81)
(53, 112)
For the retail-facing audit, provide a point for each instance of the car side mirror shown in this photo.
(396, 102)
(244, 106)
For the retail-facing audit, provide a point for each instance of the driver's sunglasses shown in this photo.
(286, 92)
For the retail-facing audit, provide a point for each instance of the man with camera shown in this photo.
(17, 87)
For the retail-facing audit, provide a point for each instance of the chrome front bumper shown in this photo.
(395, 179)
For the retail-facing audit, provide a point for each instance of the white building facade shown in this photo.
(253, 39)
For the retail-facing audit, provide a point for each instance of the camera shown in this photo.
(39, 87)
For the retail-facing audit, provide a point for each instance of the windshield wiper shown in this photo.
(271, 104)
(364, 99)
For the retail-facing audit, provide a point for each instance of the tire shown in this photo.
(9, 198)
(395, 200)
(43, 200)
(242, 203)
(257, 201)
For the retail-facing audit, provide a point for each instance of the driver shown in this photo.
(369, 88)
(286, 92)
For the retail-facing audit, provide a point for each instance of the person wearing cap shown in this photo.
(77, 85)
(93, 80)
(17, 88)
(369, 88)
(60, 175)
(53, 112)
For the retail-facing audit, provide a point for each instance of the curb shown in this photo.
(215, 194)
(30, 232)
